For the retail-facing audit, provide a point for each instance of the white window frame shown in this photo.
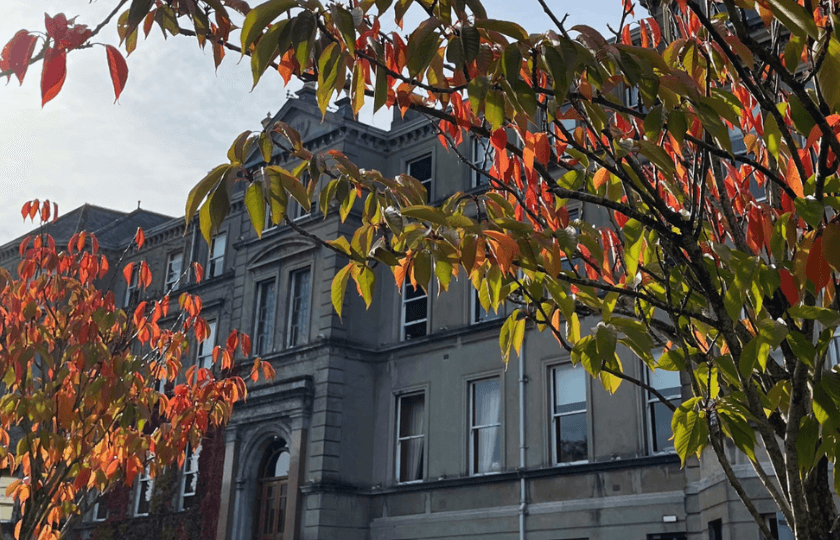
(483, 154)
(172, 276)
(302, 336)
(270, 319)
(143, 478)
(554, 415)
(650, 401)
(216, 261)
(189, 472)
(429, 182)
(404, 301)
(475, 429)
(204, 352)
(422, 436)
(95, 511)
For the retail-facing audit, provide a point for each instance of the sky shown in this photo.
(174, 121)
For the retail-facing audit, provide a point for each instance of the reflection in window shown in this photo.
(204, 358)
(666, 383)
(482, 157)
(174, 263)
(414, 312)
(189, 478)
(132, 291)
(145, 489)
(485, 426)
(298, 308)
(264, 327)
(421, 169)
(272, 492)
(216, 256)
(410, 437)
(569, 425)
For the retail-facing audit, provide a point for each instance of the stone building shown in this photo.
(401, 421)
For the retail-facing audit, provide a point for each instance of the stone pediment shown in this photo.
(274, 253)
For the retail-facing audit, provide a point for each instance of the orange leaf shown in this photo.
(128, 271)
(139, 238)
(53, 74)
(199, 272)
(145, 274)
(246, 344)
(232, 341)
(600, 178)
(541, 147)
(33, 210)
(24, 211)
(793, 179)
(625, 35)
(817, 268)
(118, 68)
(45, 211)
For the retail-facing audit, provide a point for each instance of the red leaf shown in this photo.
(139, 238)
(17, 53)
(56, 26)
(53, 74)
(55, 211)
(127, 273)
(199, 272)
(45, 211)
(119, 70)
(817, 268)
(232, 341)
(788, 286)
(24, 211)
(625, 35)
(145, 275)
(33, 210)
(542, 148)
(246, 344)
(80, 241)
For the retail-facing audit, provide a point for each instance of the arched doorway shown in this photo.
(272, 488)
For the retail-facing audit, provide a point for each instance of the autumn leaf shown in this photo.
(139, 238)
(118, 69)
(53, 74)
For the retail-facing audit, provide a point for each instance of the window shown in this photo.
(272, 492)
(668, 384)
(189, 478)
(716, 529)
(411, 410)
(568, 417)
(264, 327)
(145, 489)
(204, 357)
(295, 210)
(566, 264)
(298, 330)
(482, 157)
(421, 169)
(415, 305)
(216, 256)
(485, 426)
(132, 291)
(778, 527)
(100, 509)
(632, 98)
(173, 270)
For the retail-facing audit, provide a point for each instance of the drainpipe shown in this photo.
(523, 503)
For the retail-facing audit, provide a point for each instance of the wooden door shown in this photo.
(271, 508)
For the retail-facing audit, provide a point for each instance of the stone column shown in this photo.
(297, 469)
(227, 507)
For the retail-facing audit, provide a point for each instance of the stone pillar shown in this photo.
(297, 469)
(227, 507)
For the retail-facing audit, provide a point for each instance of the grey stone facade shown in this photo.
(339, 388)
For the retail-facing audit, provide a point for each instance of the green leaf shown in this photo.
(380, 94)
(344, 22)
(259, 17)
(673, 360)
(507, 28)
(690, 429)
(237, 149)
(266, 50)
(471, 40)
(653, 124)
(255, 204)
(426, 213)
(292, 185)
(213, 212)
(277, 198)
(518, 335)
(494, 109)
(827, 75)
(677, 125)
(772, 136)
(266, 146)
(806, 442)
(828, 317)
(422, 46)
(795, 18)
(633, 246)
(338, 288)
(303, 36)
(201, 189)
(365, 280)
(511, 62)
(328, 65)
(477, 89)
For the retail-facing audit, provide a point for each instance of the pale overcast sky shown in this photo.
(174, 121)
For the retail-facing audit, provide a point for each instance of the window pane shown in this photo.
(205, 348)
(486, 404)
(569, 390)
(216, 260)
(571, 437)
(415, 330)
(421, 169)
(665, 380)
(173, 269)
(660, 419)
(298, 308)
(487, 450)
(411, 460)
(415, 310)
(264, 328)
(411, 415)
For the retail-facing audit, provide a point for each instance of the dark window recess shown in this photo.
(716, 529)
(421, 169)
(415, 312)
(667, 536)
(264, 327)
(411, 417)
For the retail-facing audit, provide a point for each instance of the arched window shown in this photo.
(271, 492)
